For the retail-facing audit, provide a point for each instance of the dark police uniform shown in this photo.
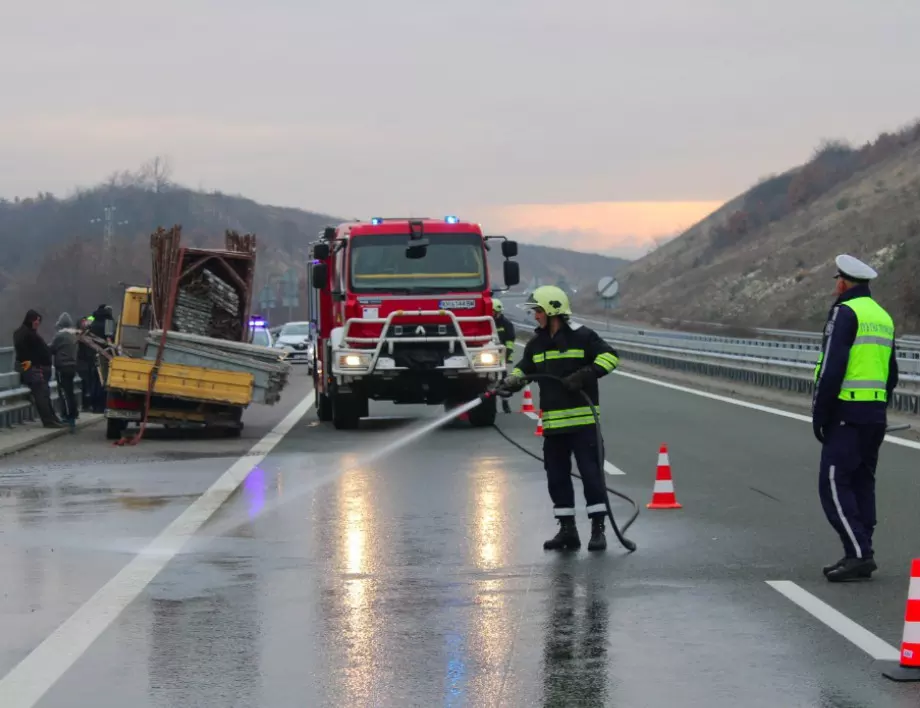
(568, 425)
(856, 373)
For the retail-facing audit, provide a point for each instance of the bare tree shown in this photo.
(155, 173)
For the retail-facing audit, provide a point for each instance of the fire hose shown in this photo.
(627, 543)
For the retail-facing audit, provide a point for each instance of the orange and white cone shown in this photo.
(663, 496)
(539, 431)
(527, 405)
(909, 667)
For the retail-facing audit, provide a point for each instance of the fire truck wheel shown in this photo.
(346, 412)
(323, 406)
(483, 415)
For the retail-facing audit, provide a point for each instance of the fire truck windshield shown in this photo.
(453, 262)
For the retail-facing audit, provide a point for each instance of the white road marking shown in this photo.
(29, 680)
(875, 647)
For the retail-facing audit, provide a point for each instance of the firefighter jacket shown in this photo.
(506, 336)
(572, 348)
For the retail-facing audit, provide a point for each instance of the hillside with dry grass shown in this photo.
(765, 259)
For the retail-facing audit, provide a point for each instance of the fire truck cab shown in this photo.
(403, 312)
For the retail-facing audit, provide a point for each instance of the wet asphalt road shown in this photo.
(419, 578)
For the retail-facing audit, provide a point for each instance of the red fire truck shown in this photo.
(403, 312)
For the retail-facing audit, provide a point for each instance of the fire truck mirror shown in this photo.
(509, 249)
(321, 251)
(512, 272)
(319, 275)
(329, 233)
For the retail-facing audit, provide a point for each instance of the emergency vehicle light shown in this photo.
(256, 322)
(376, 220)
(452, 219)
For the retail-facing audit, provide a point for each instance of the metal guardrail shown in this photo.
(16, 406)
(791, 372)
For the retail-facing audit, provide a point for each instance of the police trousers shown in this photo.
(847, 483)
(558, 450)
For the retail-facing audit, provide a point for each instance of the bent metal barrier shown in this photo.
(16, 405)
(784, 368)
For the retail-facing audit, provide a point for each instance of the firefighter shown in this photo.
(578, 356)
(854, 378)
(506, 336)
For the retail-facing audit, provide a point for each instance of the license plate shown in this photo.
(122, 415)
(457, 304)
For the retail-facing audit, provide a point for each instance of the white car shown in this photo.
(296, 338)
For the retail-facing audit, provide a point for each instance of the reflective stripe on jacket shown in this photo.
(571, 348)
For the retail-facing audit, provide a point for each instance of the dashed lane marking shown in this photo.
(875, 647)
(29, 680)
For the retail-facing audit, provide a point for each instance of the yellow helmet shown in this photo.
(551, 299)
(497, 306)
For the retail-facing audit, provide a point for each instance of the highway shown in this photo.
(330, 577)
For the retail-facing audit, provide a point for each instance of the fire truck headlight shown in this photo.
(354, 361)
(485, 359)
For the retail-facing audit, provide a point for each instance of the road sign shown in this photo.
(608, 287)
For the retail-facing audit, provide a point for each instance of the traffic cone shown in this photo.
(909, 667)
(663, 495)
(527, 405)
(539, 431)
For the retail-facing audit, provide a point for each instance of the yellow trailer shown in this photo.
(180, 394)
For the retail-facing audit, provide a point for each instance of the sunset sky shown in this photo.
(599, 125)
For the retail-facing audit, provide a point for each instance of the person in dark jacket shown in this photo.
(578, 356)
(33, 360)
(103, 327)
(856, 373)
(86, 367)
(506, 336)
(64, 350)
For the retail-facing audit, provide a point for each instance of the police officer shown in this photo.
(854, 378)
(579, 357)
(506, 336)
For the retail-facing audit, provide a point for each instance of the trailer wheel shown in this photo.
(114, 428)
(483, 415)
(346, 412)
(323, 406)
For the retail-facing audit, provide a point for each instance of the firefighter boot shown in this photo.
(598, 540)
(566, 539)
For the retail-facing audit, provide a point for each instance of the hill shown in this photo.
(54, 257)
(766, 257)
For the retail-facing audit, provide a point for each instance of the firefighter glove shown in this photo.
(511, 384)
(576, 381)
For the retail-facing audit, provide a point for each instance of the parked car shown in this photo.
(296, 338)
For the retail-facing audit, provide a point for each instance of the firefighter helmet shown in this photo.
(551, 299)
(497, 307)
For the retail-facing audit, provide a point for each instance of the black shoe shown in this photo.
(828, 568)
(566, 539)
(852, 569)
(506, 407)
(598, 540)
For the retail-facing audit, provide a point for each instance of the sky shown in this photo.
(598, 124)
